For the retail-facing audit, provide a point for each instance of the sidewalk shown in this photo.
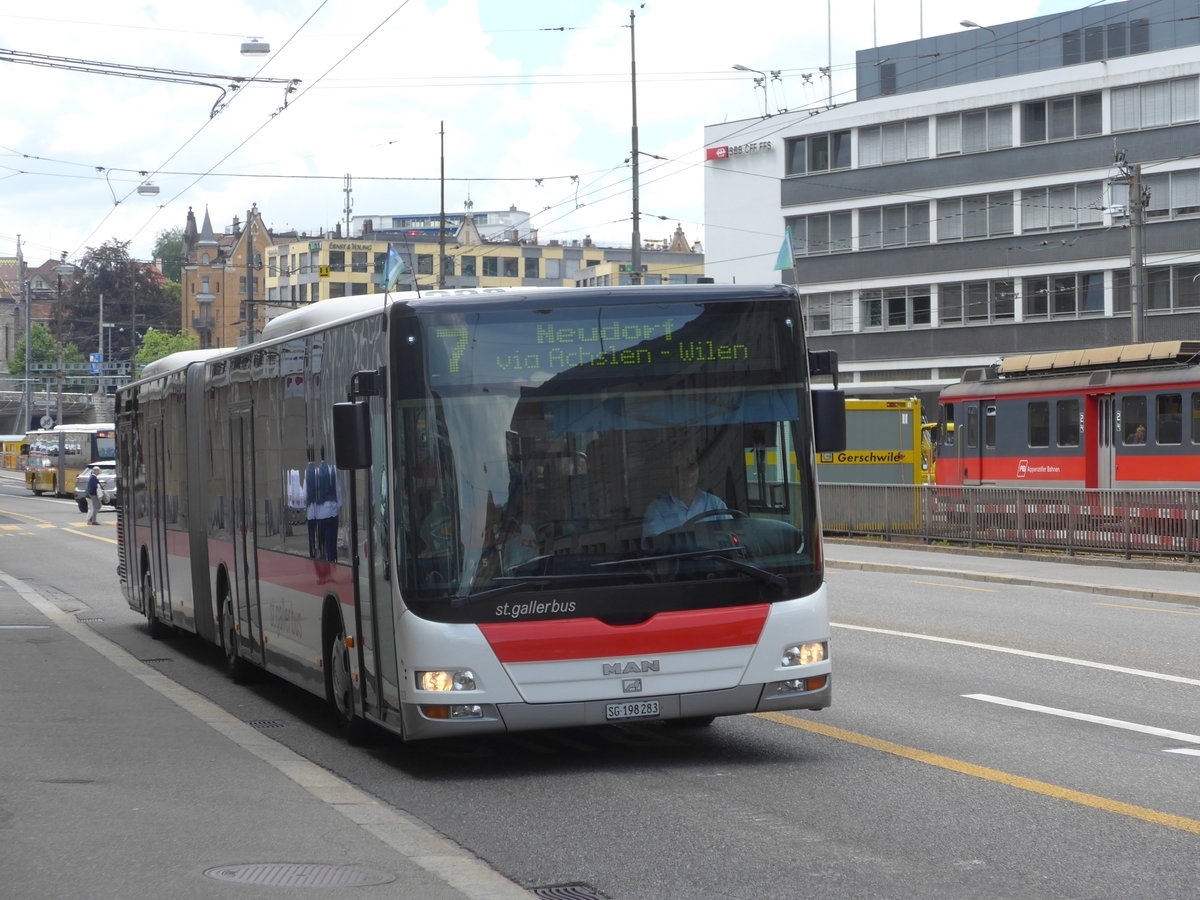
(1112, 576)
(116, 783)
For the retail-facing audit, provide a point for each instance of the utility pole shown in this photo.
(635, 253)
(251, 314)
(441, 274)
(1139, 197)
(27, 396)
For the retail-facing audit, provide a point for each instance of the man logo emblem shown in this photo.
(631, 685)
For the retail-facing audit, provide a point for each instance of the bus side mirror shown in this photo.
(352, 435)
(829, 421)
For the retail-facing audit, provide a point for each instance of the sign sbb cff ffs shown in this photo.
(737, 150)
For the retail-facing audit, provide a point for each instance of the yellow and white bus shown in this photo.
(52, 458)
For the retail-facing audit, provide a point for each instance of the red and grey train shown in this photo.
(1111, 417)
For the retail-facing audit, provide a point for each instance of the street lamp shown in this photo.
(967, 23)
(63, 268)
(758, 83)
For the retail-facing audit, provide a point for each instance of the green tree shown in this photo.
(157, 344)
(168, 248)
(132, 293)
(44, 351)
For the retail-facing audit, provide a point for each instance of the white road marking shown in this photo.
(1178, 679)
(1086, 717)
(1188, 751)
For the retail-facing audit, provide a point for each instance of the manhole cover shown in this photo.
(300, 875)
(575, 890)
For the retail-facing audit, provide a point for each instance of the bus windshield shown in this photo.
(651, 449)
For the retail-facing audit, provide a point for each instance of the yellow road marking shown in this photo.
(965, 768)
(1178, 612)
(961, 587)
(42, 523)
(91, 534)
(11, 527)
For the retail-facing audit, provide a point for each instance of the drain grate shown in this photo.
(575, 890)
(89, 618)
(300, 875)
(156, 659)
(267, 723)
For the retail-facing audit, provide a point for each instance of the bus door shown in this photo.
(1101, 446)
(245, 556)
(373, 579)
(155, 485)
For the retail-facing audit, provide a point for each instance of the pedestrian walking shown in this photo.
(93, 495)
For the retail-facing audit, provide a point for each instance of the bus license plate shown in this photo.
(636, 709)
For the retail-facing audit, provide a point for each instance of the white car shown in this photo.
(108, 483)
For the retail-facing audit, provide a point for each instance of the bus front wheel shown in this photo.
(157, 628)
(339, 686)
(238, 668)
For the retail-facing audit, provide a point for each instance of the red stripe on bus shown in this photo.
(672, 632)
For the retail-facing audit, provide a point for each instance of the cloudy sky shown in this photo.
(534, 98)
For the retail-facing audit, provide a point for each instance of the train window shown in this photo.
(1133, 420)
(1039, 423)
(1069, 423)
(972, 427)
(1196, 418)
(1168, 425)
(989, 426)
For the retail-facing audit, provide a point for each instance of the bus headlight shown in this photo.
(446, 680)
(804, 654)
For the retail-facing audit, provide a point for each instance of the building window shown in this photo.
(832, 312)
(976, 302)
(1097, 42)
(818, 153)
(491, 267)
(1168, 288)
(508, 266)
(822, 233)
(380, 263)
(554, 268)
(241, 284)
(358, 261)
(424, 263)
(531, 267)
(897, 307)
(893, 226)
(1064, 296)
(896, 142)
(974, 131)
(1155, 105)
(468, 266)
(358, 288)
(1063, 206)
(337, 289)
(1060, 118)
(977, 216)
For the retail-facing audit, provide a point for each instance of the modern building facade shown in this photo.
(980, 197)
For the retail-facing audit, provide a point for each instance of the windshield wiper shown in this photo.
(716, 553)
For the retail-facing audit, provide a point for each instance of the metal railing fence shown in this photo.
(1130, 522)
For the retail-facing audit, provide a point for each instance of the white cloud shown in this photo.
(518, 101)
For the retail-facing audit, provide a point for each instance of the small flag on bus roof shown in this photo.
(392, 269)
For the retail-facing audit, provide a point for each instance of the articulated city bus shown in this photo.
(52, 458)
(465, 512)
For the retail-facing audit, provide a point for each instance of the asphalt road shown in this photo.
(985, 741)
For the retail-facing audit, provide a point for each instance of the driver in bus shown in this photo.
(682, 502)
